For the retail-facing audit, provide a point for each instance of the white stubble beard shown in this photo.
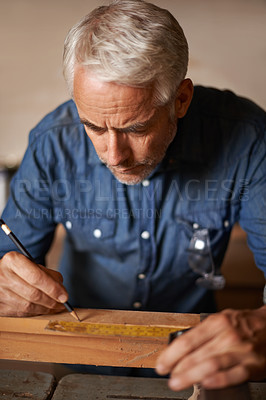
(149, 164)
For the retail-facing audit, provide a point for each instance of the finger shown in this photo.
(248, 365)
(35, 276)
(16, 306)
(225, 364)
(225, 342)
(181, 379)
(230, 377)
(22, 290)
(54, 274)
(179, 348)
(209, 330)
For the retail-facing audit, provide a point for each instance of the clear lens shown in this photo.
(200, 261)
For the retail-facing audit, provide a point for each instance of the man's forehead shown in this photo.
(97, 100)
(90, 84)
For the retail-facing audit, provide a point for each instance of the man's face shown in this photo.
(129, 134)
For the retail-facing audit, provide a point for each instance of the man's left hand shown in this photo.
(226, 349)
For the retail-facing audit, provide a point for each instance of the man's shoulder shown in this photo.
(60, 138)
(65, 116)
(219, 127)
(225, 104)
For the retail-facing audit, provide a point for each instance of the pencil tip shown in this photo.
(75, 315)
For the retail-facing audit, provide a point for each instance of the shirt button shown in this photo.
(97, 233)
(226, 223)
(68, 224)
(195, 225)
(145, 235)
(137, 304)
(146, 182)
(141, 276)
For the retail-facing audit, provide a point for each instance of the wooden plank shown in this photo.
(91, 387)
(26, 385)
(27, 339)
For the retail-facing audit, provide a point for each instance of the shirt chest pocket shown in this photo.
(92, 234)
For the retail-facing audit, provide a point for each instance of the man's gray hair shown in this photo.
(129, 42)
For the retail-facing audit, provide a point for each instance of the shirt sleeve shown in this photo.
(29, 211)
(253, 202)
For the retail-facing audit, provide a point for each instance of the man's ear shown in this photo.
(184, 97)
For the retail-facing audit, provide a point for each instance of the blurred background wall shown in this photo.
(227, 50)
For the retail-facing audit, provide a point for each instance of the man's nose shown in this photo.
(118, 148)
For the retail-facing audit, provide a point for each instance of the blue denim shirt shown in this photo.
(127, 247)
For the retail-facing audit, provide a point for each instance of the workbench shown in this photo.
(43, 386)
(103, 337)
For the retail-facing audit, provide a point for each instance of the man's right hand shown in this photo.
(27, 289)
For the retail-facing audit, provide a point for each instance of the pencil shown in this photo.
(20, 246)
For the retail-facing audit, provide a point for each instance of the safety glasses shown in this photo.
(200, 261)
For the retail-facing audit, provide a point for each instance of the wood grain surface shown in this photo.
(26, 339)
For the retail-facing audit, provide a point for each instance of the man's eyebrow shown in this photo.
(136, 126)
(91, 125)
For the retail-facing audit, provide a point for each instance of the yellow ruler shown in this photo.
(112, 329)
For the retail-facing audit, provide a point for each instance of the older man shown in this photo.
(148, 180)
